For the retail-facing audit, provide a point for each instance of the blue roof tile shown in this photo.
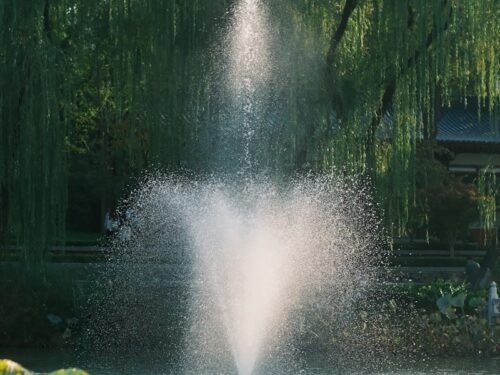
(459, 124)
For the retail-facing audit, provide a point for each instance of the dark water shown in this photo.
(48, 360)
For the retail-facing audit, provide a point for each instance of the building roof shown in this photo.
(459, 124)
(459, 128)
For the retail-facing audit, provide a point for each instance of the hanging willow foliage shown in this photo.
(487, 187)
(131, 83)
(392, 64)
(89, 76)
(33, 126)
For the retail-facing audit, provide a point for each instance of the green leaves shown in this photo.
(121, 86)
(447, 303)
(8, 367)
(476, 302)
(458, 300)
(452, 324)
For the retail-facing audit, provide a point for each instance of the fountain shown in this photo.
(234, 263)
(254, 260)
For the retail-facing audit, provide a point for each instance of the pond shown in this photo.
(47, 360)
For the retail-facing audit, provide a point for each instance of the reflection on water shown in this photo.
(46, 360)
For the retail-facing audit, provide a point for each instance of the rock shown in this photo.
(54, 319)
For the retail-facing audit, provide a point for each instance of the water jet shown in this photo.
(253, 252)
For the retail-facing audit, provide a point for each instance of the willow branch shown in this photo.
(46, 20)
(349, 7)
(336, 99)
(390, 89)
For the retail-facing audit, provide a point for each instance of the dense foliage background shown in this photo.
(95, 92)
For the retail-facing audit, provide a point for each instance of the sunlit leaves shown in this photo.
(8, 367)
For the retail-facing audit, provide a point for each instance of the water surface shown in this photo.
(47, 360)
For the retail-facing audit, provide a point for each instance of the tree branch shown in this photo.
(349, 7)
(391, 86)
(46, 20)
(333, 88)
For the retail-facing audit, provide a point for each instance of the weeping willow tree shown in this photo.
(108, 79)
(127, 84)
(391, 65)
(33, 127)
(139, 67)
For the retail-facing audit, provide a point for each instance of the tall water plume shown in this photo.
(238, 269)
(249, 74)
(262, 254)
(250, 260)
(242, 93)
